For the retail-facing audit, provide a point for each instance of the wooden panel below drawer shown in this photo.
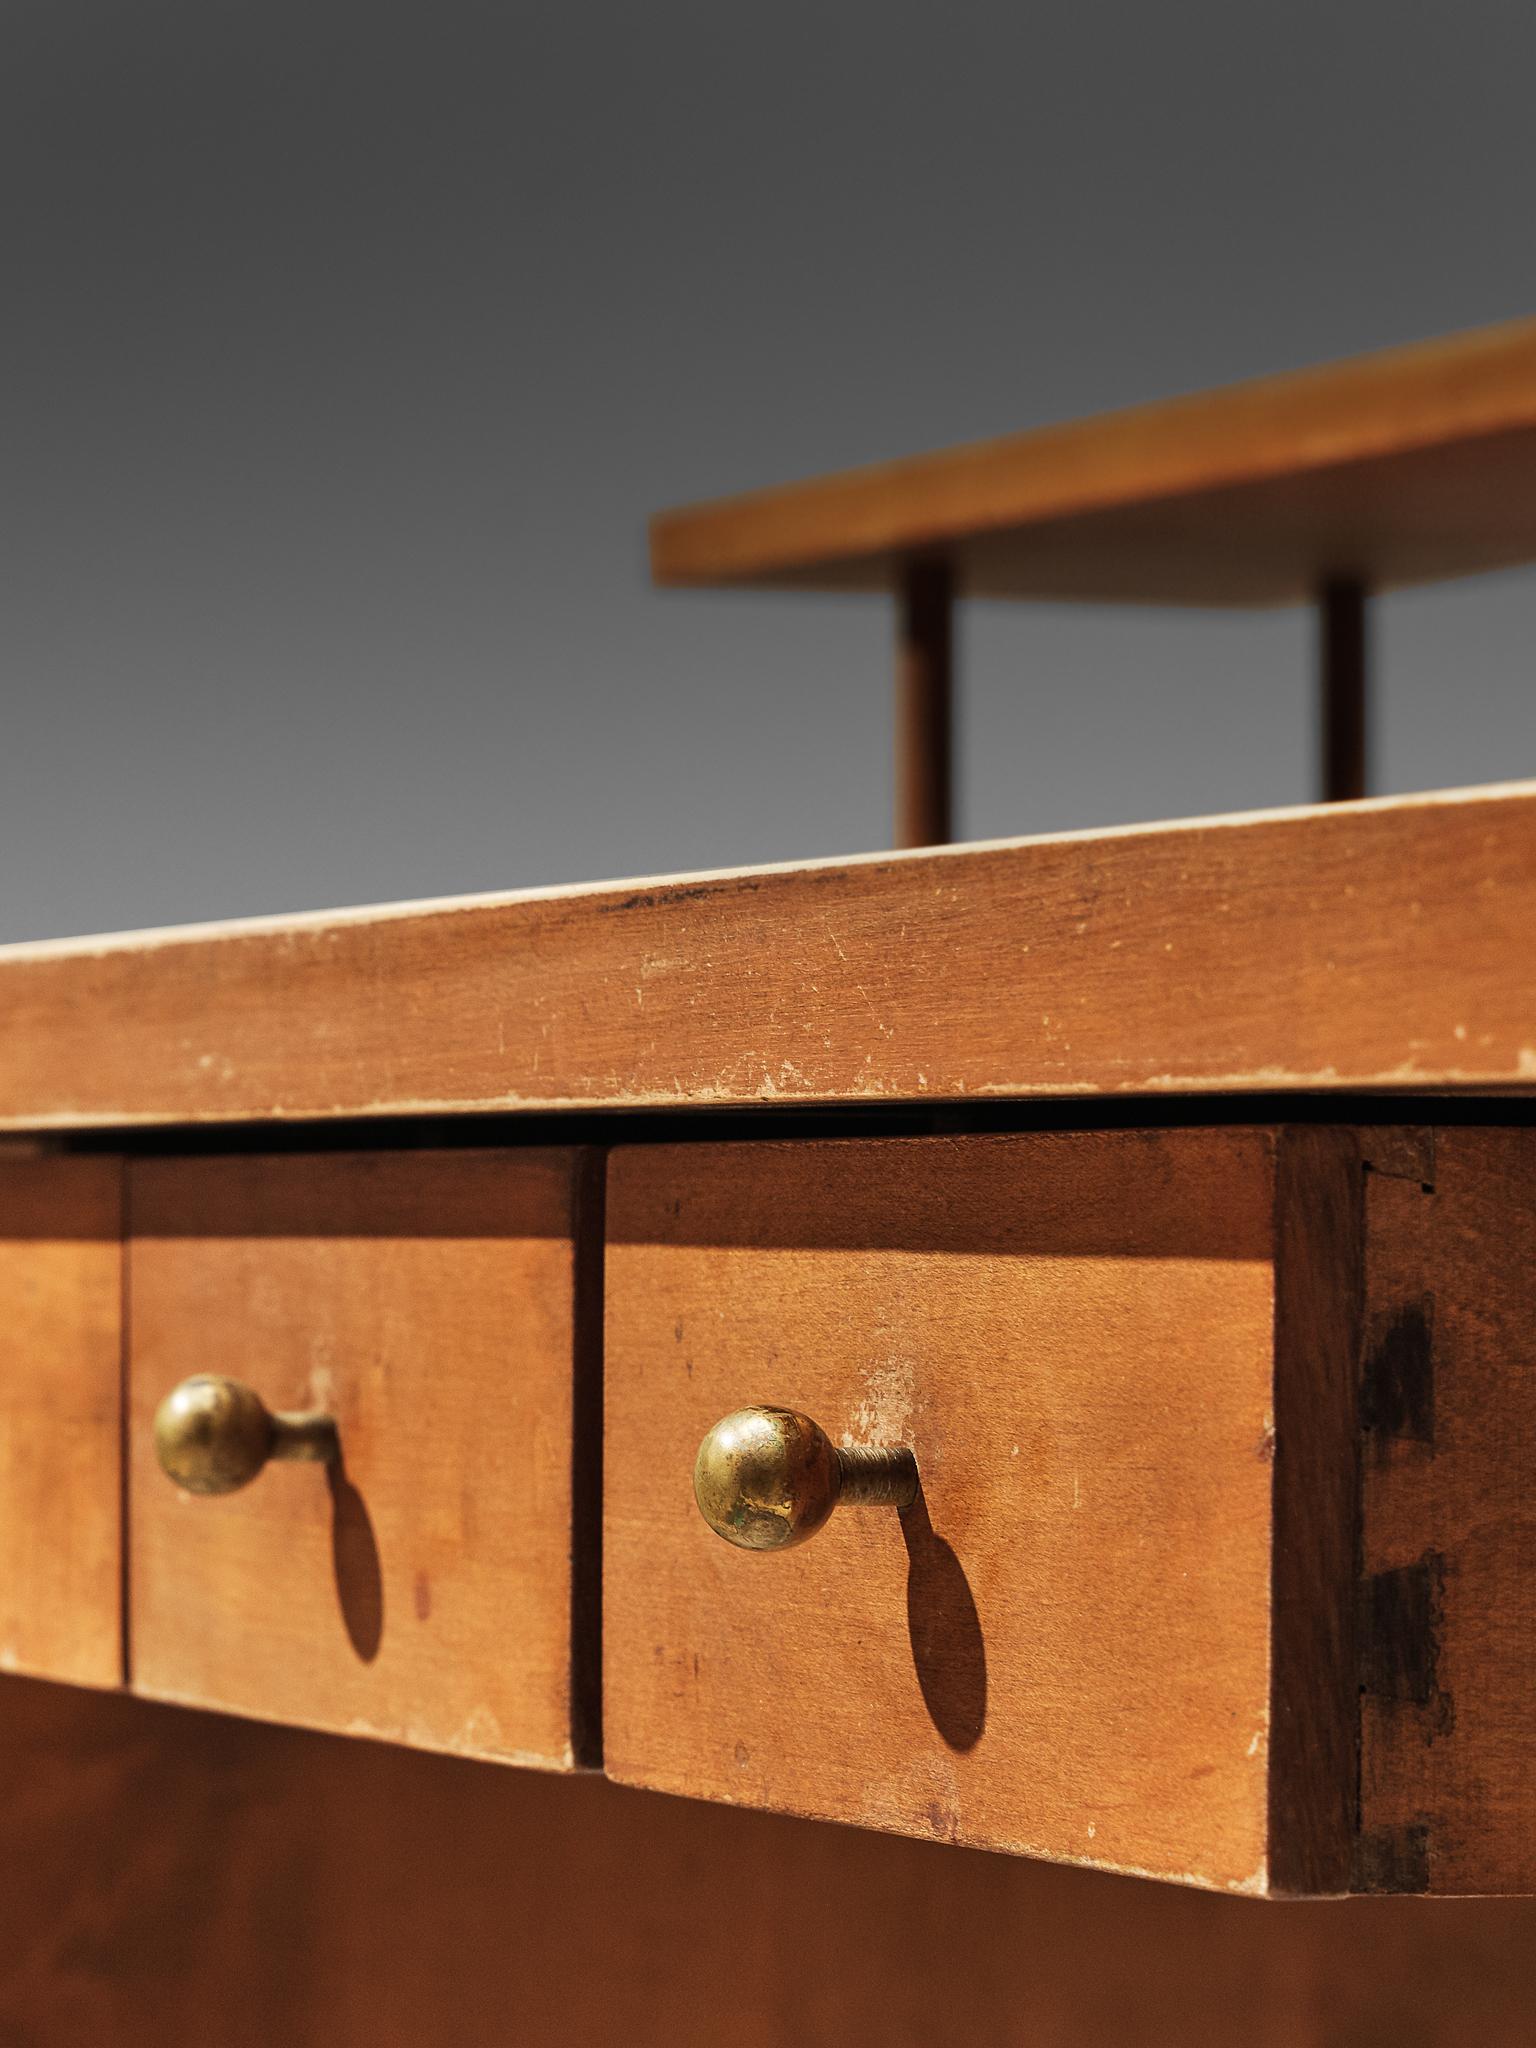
(425, 1592)
(174, 1878)
(60, 1418)
(1066, 1648)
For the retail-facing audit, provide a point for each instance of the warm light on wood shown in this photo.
(1337, 948)
(1397, 468)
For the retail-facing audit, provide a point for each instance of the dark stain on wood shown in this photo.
(669, 898)
(1393, 1860)
(1403, 1152)
(1400, 1635)
(1397, 1383)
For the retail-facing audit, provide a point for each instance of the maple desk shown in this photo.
(1167, 1193)
(1162, 1191)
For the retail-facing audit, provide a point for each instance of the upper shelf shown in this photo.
(1404, 467)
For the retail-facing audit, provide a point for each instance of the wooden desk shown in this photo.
(1156, 1201)
(1222, 1568)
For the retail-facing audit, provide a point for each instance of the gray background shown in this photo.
(344, 352)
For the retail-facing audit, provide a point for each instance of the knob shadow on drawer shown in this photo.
(1070, 1640)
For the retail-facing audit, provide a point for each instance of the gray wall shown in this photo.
(344, 351)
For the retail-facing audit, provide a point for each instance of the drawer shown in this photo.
(61, 1418)
(420, 1587)
(1069, 1645)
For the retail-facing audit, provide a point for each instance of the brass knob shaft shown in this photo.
(214, 1435)
(767, 1478)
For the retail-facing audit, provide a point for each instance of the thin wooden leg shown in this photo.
(1343, 679)
(925, 705)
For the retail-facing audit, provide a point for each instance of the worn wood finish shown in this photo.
(1395, 468)
(1067, 1648)
(1448, 1601)
(423, 1593)
(1379, 946)
(60, 1418)
(172, 1877)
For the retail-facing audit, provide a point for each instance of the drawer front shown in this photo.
(61, 1418)
(419, 1588)
(1063, 1647)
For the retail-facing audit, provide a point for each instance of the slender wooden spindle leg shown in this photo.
(924, 705)
(1344, 682)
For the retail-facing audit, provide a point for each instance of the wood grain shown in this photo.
(1384, 945)
(1066, 1650)
(1394, 468)
(1314, 1705)
(427, 1300)
(1448, 1657)
(61, 1418)
(171, 1877)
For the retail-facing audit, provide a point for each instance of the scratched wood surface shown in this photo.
(424, 1593)
(1066, 1650)
(1385, 944)
(171, 1877)
(1394, 468)
(60, 1418)
(1448, 1669)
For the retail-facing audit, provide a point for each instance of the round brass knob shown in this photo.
(214, 1435)
(766, 1478)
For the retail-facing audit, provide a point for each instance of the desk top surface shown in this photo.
(1379, 945)
(1396, 468)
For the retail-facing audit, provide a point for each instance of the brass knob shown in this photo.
(766, 1478)
(214, 1435)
